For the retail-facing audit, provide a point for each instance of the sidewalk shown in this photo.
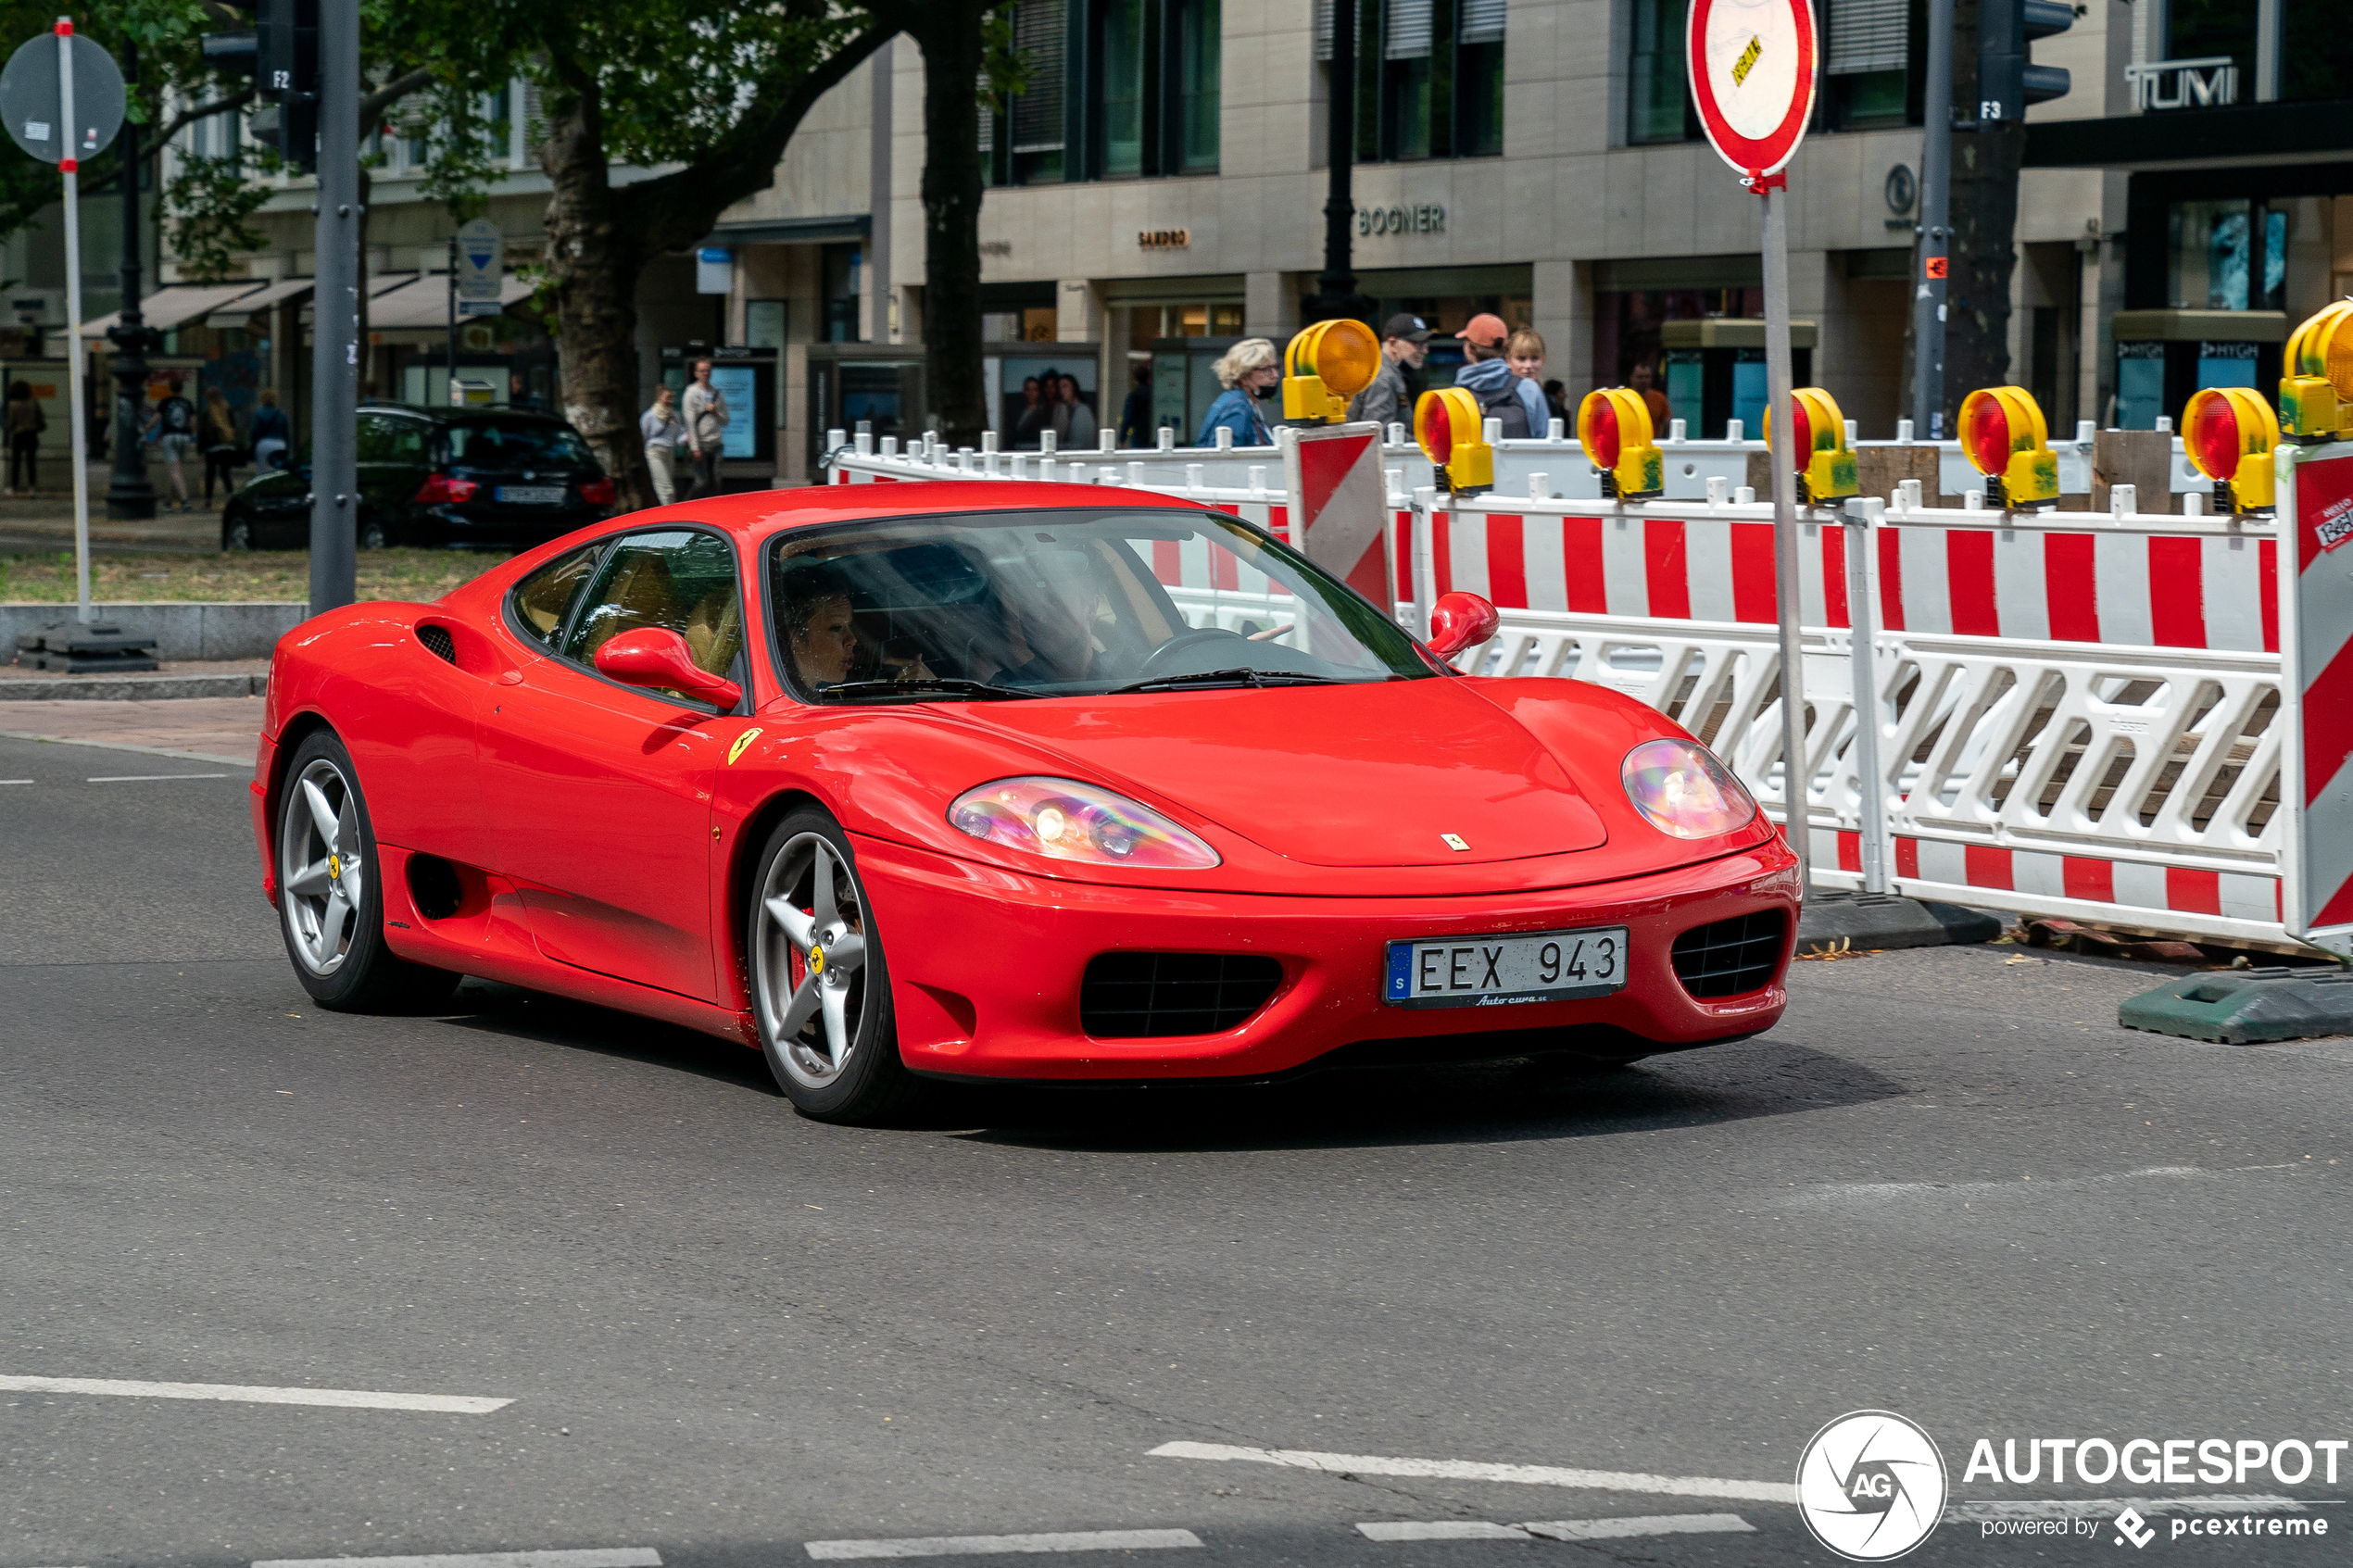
(215, 729)
(46, 521)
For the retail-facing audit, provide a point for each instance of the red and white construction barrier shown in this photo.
(2315, 501)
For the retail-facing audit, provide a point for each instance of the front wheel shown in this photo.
(819, 984)
(236, 531)
(330, 892)
(373, 536)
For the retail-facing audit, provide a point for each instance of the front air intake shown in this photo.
(1146, 995)
(1732, 956)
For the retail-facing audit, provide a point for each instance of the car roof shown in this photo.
(754, 515)
(470, 415)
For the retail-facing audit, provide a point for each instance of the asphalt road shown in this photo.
(1948, 1185)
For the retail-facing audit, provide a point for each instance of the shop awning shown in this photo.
(424, 303)
(2234, 134)
(179, 305)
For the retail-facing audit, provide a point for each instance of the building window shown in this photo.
(1658, 99)
(1132, 82)
(840, 265)
(2227, 256)
(1429, 77)
(1868, 65)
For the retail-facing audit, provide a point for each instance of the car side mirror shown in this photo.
(1460, 621)
(657, 657)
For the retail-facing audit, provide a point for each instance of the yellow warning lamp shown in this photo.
(1325, 366)
(2316, 385)
(1825, 464)
(2230, 434)
(1452, 434)
(2003, 433)
(1614, 426)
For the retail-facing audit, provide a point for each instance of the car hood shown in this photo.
(1354, 775)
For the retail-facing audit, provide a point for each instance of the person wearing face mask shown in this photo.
(1502, 395)
(1249, 372)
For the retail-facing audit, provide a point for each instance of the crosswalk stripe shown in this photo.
(1480, 1470)
(586, 1557)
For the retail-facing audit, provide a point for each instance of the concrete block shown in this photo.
(195, 630)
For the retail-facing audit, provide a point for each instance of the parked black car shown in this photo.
(461, 478)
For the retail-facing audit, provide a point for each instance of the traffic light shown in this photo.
(2003, 434)
(1614, 426)
(1451, 429)
(2007, 83)
(2230, 432)
(1324, 367)
(1825, 464)
(281, 53)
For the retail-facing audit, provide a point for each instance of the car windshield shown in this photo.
(498, 446)
(1064, 604)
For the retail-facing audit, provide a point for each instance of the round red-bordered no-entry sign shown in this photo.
(1752, 70)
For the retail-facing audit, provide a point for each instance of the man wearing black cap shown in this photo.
(1404, 341)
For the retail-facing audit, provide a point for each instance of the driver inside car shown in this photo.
(821, 630)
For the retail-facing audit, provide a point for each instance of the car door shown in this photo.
(599, 795)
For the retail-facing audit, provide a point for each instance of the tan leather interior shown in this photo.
(641, 595)
(714, 632)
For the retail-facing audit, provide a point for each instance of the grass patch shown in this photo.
(46, 577)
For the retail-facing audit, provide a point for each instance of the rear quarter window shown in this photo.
(543, 599)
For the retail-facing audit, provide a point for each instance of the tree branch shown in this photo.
(680, 207)
(187, 118)
(373, 106)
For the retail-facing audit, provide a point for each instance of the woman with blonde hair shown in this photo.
(1249, 371)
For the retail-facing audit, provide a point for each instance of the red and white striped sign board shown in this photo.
(1340, 504)
(2316, 678)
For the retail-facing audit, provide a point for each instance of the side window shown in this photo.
(408, 441)
(375, 439)
(542, 599)
(682, 579)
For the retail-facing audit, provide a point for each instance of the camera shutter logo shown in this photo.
(1872, 1485)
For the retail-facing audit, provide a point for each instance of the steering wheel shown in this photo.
(1158, 657)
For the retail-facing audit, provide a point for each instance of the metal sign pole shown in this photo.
(450, 391)
(334, 361)
(1796, 772)
(71, 166)
(1937, 184)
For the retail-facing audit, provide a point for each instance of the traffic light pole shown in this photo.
(1936, 231)
(335, 357)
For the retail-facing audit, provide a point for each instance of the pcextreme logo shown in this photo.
(1872, 1485)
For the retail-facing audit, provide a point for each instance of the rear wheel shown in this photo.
(373, 536)
(236, 531)
(330, 892)
(820, 986)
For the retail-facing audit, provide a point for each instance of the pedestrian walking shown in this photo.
(174, 435)
(1513, 400)
(1136, 414)
(271, 434)
(1644, 380)
(1249, 372)
(1079, 429)
(1388, 400)
(663, 433)
(217, 432)
(24, 423)
(707, 419)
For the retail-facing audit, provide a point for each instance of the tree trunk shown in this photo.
(1977, 332)
(951, 38)
(594, 265)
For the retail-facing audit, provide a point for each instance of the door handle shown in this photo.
(510, 678)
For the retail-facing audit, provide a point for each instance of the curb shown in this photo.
(1888, 920)
(129, 688)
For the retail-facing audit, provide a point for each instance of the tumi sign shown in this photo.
(2206, 82)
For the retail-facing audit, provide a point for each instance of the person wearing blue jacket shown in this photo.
(1489, 377)
(1249, 372)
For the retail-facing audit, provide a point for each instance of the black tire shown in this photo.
(858, 1078)
(236, 530)
(373, 534)
(336, 943)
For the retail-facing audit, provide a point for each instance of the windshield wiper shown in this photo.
(933, 683)
(1229, 678)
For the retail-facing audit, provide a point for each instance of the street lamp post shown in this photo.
(1336, 292)
(129, 495)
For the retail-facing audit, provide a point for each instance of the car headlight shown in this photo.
(1684, 791)
(1065, 820)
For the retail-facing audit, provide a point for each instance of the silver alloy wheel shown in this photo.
(809, 960)
(320, 869)
(240, 535)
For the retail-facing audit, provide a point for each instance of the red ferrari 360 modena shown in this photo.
(1000, 781)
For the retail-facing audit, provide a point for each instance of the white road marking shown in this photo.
(1477, 1470)
(150, 778)
(348, 1398)
(1651, 1525)
(980, 1546)
(1441, 1530)
(14, 781)
(612, 1556)
(2108, 1508)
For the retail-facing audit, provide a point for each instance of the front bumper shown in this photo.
(986, 967)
